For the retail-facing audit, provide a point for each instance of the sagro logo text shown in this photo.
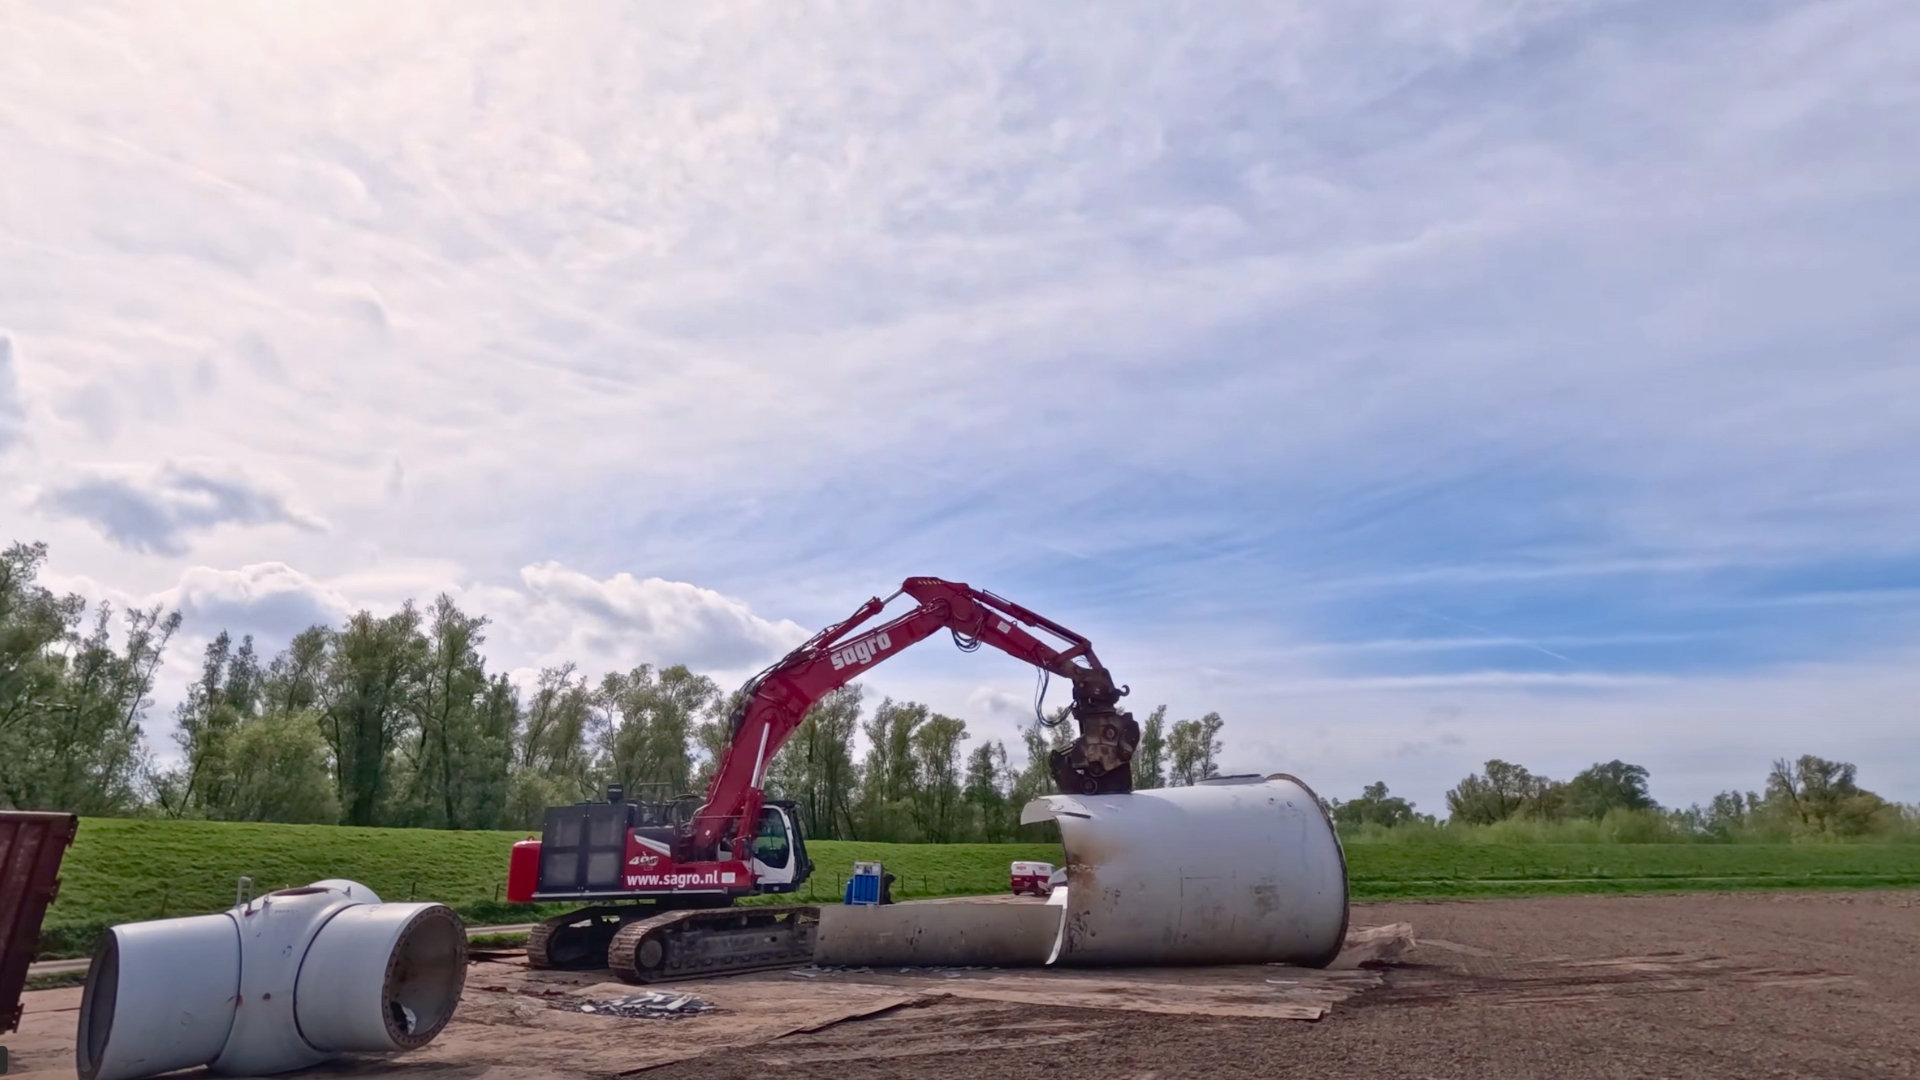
(862, 651)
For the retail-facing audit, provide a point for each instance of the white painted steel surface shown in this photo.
(279, 983)
(936, 934)
(165, 991)
(1236, 872)
(414, 956)
(275, 933)
(354, 890)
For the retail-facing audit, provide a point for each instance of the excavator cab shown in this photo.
(780, 862)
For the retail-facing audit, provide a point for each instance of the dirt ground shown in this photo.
(1750, 985)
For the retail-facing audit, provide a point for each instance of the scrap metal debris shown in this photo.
(651, 1005)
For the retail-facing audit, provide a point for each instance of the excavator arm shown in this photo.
(776, 700)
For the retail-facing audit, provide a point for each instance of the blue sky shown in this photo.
(1412, 382)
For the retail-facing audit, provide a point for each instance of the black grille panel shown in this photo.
(583, 847)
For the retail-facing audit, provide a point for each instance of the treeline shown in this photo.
(1808, 798)
(396, 720)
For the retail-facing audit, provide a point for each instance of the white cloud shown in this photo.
(1268, 317)
(913, 221)
(1000, 703)
(156, 509)
(272, 601)
(552, 615)
(1453, 644)
(623, 620)
(13, 411)
(1698, 735)
(1463, 679)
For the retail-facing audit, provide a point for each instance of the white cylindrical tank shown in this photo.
(1230, 871)
(279, 983)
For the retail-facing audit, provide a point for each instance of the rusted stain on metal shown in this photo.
(31, 847)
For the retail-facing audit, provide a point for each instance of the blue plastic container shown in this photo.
(863, 888)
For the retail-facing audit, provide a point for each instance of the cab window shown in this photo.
(770, 843)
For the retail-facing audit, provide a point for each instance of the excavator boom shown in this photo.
(776, 700)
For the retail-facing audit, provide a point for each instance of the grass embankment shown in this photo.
(128, 870)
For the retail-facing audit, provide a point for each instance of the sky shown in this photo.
(1413, 382)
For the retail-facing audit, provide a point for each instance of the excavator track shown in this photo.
(578, 940)
(728, 941)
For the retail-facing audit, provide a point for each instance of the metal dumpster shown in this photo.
(31, 847)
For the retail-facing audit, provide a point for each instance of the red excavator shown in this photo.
(663, 875)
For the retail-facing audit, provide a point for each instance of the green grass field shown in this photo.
(1409, 871)
(128, 870)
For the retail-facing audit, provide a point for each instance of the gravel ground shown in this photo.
(1747, 985)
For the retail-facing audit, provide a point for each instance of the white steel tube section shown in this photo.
(381, 977)
(279, 983)
(1232, 872)
(160, 996)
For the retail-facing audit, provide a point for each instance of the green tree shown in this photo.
(81, 749)
(555, 738)
(487, 794)
(1150, 757)
(1373, 807)
(553, 754)
(373, 667)
(986, 788)
(712, 737)
(1501, 792)
(276, 770)
(816, 767)
(246, 756)
(646, 749)
(204, 722)
(1727, 816)
(34, 623)
(295, 680)
(935, 798)
(888, 774)
(1192, 749)
(1614, 785)
(459, 745)
(1035, 778)
(1823, 797)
